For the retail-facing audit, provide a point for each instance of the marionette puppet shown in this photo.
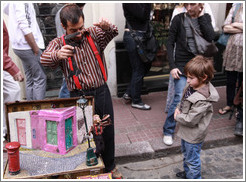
(97, 130)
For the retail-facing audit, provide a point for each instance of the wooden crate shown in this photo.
(80, 170)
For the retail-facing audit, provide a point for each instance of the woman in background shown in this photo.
(233, 54)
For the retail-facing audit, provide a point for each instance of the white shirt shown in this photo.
(22, 21)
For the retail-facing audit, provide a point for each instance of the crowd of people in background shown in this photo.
(190, 93)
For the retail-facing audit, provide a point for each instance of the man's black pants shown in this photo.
(103, 105)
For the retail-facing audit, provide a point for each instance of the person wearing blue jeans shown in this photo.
(64, 92)
(191, 160)
(170, 124)
(181, 48)
(194, 113)
(139, 69)
(137, 17)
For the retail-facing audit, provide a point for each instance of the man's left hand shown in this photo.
(103, 24)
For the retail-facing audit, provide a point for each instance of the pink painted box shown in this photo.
(54, 130)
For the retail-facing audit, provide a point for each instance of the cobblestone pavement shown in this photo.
(217, 163)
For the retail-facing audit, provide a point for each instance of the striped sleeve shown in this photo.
(49, 56)
(103, 37)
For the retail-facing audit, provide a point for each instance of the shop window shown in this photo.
(161, 22)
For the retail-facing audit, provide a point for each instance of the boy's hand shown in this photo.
(177, 111)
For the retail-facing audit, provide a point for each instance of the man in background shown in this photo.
(27, 42)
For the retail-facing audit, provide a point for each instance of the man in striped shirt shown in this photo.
(91, 76)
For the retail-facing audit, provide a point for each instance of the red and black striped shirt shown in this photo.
(91, 75)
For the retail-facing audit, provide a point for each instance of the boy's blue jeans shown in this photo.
(170, 124)
(191, 161)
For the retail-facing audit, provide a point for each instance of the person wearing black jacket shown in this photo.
(138, 16)
(181, 48)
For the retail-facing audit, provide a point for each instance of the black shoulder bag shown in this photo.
(147, 45)
(205, 48)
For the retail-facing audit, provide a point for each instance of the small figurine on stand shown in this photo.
(97, 130)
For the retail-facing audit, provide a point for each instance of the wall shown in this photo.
(218, 10)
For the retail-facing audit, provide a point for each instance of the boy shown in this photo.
(194, 113)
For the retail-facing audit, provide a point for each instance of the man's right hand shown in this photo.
(175, 73)
(36, 50)
(65, 52)
(19, 77)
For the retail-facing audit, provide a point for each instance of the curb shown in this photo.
(140, 151)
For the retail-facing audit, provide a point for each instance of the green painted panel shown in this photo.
(69, 132)
(51, 127)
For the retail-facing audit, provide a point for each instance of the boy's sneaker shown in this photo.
(127, 97)
(141, 106)
(168, 140)
(116, 174)
(181, 175)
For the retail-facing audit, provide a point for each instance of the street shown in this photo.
(217, 163)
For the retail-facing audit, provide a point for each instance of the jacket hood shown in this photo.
(208, 93)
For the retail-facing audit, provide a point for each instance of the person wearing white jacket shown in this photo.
(27, 42)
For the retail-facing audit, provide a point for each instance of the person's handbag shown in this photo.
(205, 48)
(146, 45)
(224, 37)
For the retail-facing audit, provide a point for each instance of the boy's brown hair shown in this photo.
(200, 67)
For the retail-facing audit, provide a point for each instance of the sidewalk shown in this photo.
(138, 134)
